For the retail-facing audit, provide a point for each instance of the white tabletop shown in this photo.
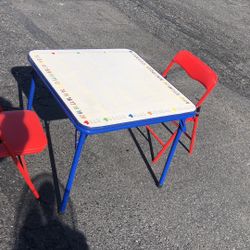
(106, 87)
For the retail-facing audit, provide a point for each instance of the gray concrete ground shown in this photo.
(115, 203)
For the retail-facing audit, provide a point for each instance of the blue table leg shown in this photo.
(182, 128)
(72, 171)
(31, 94)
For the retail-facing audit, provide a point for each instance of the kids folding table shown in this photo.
(103, 90)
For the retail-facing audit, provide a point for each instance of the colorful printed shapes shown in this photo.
(69, 99)
(184, 100)
(105, 119)
(82, 116)
(130, 115)
(149, 113)
(39, 59)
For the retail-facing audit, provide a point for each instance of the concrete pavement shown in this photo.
(114, 202)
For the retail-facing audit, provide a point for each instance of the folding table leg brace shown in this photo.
(182, 128)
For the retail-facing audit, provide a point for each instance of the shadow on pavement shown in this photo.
(6, 105)
(39, 226)
(53, 164)
(151, 171)
(148, 138)
(44, 104)
(167, 129)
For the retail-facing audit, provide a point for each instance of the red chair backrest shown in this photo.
(196, 69)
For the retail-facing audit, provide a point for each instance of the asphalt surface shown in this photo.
(115, 204)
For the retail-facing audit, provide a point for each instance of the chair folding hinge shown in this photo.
(163, 76)
(198, 111)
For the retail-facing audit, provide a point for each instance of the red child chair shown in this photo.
(21, 133)
(202, 73)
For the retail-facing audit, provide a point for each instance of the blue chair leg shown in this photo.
(72, 172)
(182, 128)
(31, 94)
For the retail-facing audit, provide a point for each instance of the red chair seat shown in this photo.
(22, 132)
